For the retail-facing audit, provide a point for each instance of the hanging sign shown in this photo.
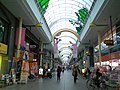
(55, 51)
(109, 42)
(74, 47)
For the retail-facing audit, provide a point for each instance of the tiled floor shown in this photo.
(66, 83)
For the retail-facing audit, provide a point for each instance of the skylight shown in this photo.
(68, 14)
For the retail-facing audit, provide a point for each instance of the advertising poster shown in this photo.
(74, 47)
(25, 66)
(55, 51)
(24, 77)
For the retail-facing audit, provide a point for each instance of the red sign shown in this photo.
(42, 52)
(115, 55)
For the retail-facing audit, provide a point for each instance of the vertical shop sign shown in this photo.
(25, 66)
(22, 37)
(74, 48)
(55, 51)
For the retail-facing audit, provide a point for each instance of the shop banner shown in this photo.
(25, 66)
(55, 51)
(22, 36)
(74, 47)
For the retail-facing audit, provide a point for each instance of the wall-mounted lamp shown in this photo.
(87, 53)
(93, 24)
(39, 25)
(36, 25)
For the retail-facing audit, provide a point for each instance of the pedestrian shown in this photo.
(59, 72)
(98, 75)
(87, 73)
(75, 73)
(63, 69)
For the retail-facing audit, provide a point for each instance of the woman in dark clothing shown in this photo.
(87, 73)
(75, 74)
(98, 74)
(58, 72)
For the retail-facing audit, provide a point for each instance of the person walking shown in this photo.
(87, 73)
(98, 75)
(63, 69)
(59, 72)
(75, 73)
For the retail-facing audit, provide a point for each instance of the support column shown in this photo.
(87, 61)
(99, 44)
(19, 37)
(41, 56)
(86, 51)
(91, 51)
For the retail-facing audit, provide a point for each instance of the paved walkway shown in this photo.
(66, 83)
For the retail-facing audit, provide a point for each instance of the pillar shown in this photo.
(87, 61)
(19, 37)
(86, 57)
(91, 57)
(99, 48)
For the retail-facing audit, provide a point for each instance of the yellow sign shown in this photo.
(109, 42)
(3, 48)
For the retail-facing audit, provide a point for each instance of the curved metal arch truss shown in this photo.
(66, 30)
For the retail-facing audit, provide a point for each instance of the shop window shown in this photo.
(118, 37)
(1, 31)
(118, 32)
(4, 32)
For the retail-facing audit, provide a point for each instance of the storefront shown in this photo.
(3, 59)
(27, 62)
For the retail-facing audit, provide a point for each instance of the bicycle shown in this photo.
(32, 77)
(92, 84)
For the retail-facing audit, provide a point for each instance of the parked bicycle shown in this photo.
(92, 84)
(32, 77)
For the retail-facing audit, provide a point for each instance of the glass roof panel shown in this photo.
(60, 25)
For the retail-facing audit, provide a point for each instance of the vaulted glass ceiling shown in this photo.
(59, 12)
(70, 14)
